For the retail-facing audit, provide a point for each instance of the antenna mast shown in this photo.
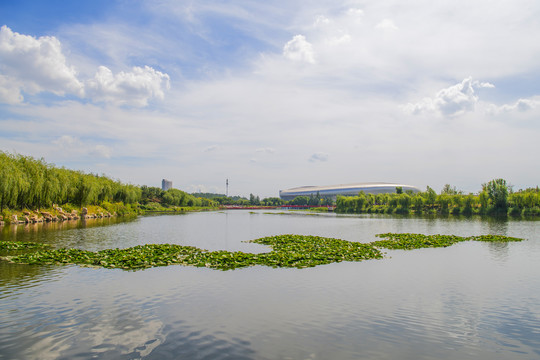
(227, 188)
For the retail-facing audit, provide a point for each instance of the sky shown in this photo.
(276, 94)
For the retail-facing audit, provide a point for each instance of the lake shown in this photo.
(472, 300)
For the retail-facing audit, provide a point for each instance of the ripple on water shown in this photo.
(469, 301)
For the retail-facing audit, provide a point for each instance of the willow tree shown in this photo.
(51, 188)
(9, 177)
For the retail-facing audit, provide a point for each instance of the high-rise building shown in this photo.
(166, 184)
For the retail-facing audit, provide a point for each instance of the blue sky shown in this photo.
(277, 94)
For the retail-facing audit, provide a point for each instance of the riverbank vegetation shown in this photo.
(29, 185)
(496, 198)
(288, 251)
(32, 186)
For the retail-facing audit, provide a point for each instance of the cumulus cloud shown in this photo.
(10, 93)
(299, 49)
(319, 157)
(521, 105)
(452, 101)
(128, 88)
(478, 84)
(33, 65)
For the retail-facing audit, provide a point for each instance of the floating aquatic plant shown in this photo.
(407, 241)
(307, 251)
(288, 251)
(11, 245)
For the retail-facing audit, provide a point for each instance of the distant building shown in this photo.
(346, 190)
(166, 184)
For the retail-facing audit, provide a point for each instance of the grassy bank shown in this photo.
(156, 208)
(67, 212)
(93, 211)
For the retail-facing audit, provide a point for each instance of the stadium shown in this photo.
(346, 190)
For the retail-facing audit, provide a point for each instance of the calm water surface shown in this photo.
(469, 301)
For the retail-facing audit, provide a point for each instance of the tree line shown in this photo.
(26, 182)
(496, 198)
(254, 200)
(153, 198)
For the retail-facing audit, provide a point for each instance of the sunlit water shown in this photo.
(469, 301)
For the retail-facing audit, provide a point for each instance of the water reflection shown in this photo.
(183, 342)
(497, 225)
(104, 331)
(471, 300)
(14, 278)
(11, 230)
(499, 251)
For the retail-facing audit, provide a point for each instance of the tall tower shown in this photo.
(227, 188)
(166, 184)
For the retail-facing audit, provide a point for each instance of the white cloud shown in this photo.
(340, 38)
(131, 88)
(321, 20)
(201, 188)
(349, 102)
(66, 142)
(74, 146)
(10, 92)
(452, 101)
(101, 151)
(319, 157)
(34, 65)
(266, 150)
(521, 105)
(299, 49)
(386, 24)
(479, 85)
(355, 12)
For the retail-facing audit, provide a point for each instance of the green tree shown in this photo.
(418, 202)
(449, 190)
(468, 203)
(443, 200)
(313, 200)
(404, 201)
(272, 201)
(497, 191)
(430, 197)
(360, 201)
(86, 190)
(483, 198)
(299, 200)
(254, 200)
